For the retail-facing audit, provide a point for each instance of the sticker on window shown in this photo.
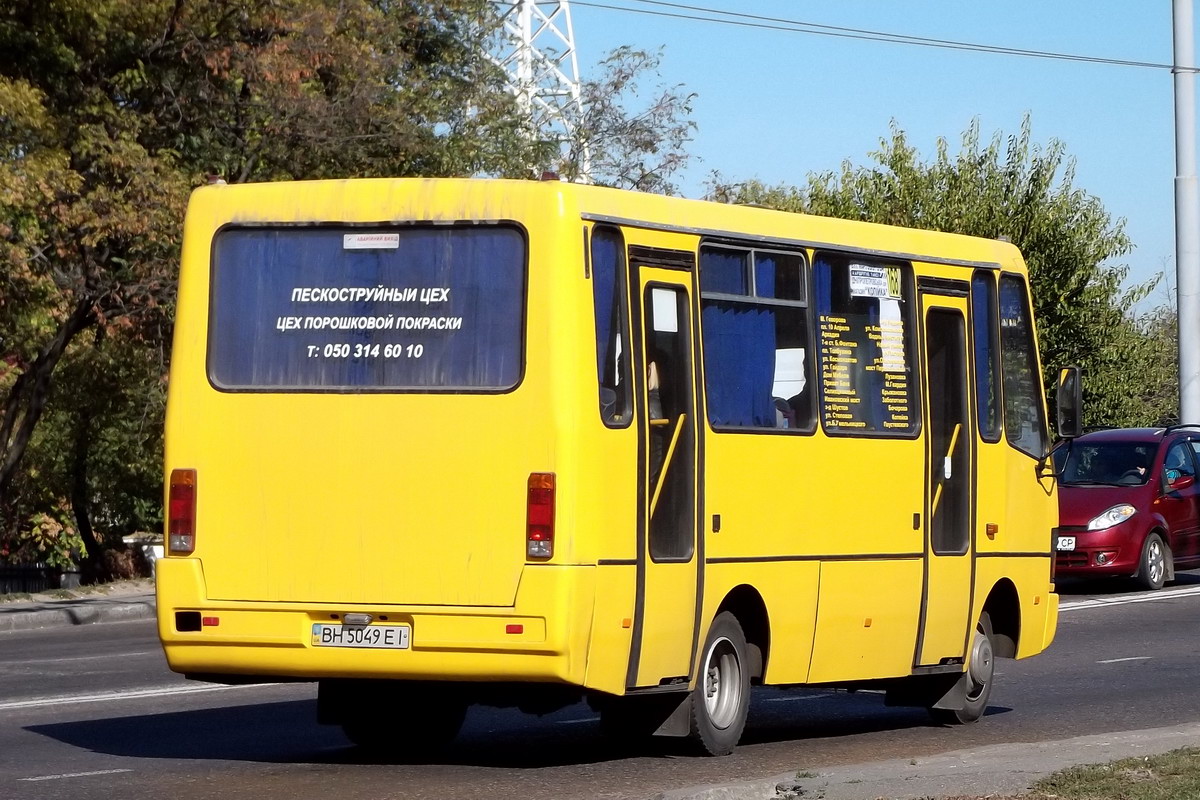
(868, 281)
(666, 316)
(371, 241)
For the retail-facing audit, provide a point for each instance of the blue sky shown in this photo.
(776, 105)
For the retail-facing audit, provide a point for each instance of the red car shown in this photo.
(1129, 504)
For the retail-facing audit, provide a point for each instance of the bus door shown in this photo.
(665, 628)
(949, 482)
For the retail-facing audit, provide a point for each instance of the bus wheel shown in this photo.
(977, 680)
(721, 698)
(405, 724)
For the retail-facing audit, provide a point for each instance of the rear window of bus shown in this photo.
(367, 309)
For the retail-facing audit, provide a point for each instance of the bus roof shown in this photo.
(383, 200)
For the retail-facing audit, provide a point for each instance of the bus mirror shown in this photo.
(1070, 403)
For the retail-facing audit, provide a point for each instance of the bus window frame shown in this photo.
(997, 363)
(389, 225)
(1027, 303)
(805, 304)
(622, 291)
(914, 341)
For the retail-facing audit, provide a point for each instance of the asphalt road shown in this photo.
(92, 712)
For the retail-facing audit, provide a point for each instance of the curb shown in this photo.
(781, 786)
(72, 613)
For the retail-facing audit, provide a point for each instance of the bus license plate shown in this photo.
(374, 636)
(1066, 543)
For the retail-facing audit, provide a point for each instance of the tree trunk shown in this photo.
(92, 557)
(27, 399)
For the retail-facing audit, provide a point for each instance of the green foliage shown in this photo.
(1024, 192)
(51, 541)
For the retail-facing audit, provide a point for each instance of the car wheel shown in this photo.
(721, 699)
(978, 679)
(1152, 568)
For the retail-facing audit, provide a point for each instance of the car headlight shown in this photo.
(1114, 516)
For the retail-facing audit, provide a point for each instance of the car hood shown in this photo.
(1078, 505)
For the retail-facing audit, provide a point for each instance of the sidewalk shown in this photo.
(126, 600)
(986, 771)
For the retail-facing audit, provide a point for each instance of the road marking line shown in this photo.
(75, 775)
(1119, 660)
(575, 721)
(80, 658)
(162, 691)
(1145, 597)
(790, 699)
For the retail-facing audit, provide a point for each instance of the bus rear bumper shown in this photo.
(254, 641)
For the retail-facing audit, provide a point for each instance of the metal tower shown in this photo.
(537, 50)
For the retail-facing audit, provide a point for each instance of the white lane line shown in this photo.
(75, 775)
(575, 721)
(79, 658)
(793, 699)
(1119, 660)
(162, 691)
(1145, 597)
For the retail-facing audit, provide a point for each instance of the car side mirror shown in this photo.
(1181, 483)
(1069, 398)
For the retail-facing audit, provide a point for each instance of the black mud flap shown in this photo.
(679, 721)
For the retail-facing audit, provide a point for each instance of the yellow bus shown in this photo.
(436, 442)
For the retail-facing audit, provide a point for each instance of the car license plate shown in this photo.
(1066, 543)
(373, 636)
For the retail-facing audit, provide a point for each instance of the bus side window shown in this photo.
(609, 301)
(865, 321)
(756, 338)
(987, 354)
(1024, 415)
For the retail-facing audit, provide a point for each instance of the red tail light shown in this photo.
(181, 521)
(539, 516)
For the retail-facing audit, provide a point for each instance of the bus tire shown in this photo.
(977, 680)
(721, 699)
(405, 724)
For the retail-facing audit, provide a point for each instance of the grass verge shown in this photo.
(1171, 776)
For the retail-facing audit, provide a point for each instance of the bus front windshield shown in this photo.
(1104, 464)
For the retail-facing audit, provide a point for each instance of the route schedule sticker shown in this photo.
(878, 282)
(865, 377)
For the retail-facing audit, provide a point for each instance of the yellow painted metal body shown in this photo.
(412, 506)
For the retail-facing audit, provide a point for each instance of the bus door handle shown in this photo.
(662, 476)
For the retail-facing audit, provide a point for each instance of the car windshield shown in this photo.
(1104, 463)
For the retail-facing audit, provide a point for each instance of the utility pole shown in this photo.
(538, 53)
(1187, 213)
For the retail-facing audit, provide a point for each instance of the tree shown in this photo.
(1015, 189)
(1160, 389)
(110, 110)
(630, 149)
